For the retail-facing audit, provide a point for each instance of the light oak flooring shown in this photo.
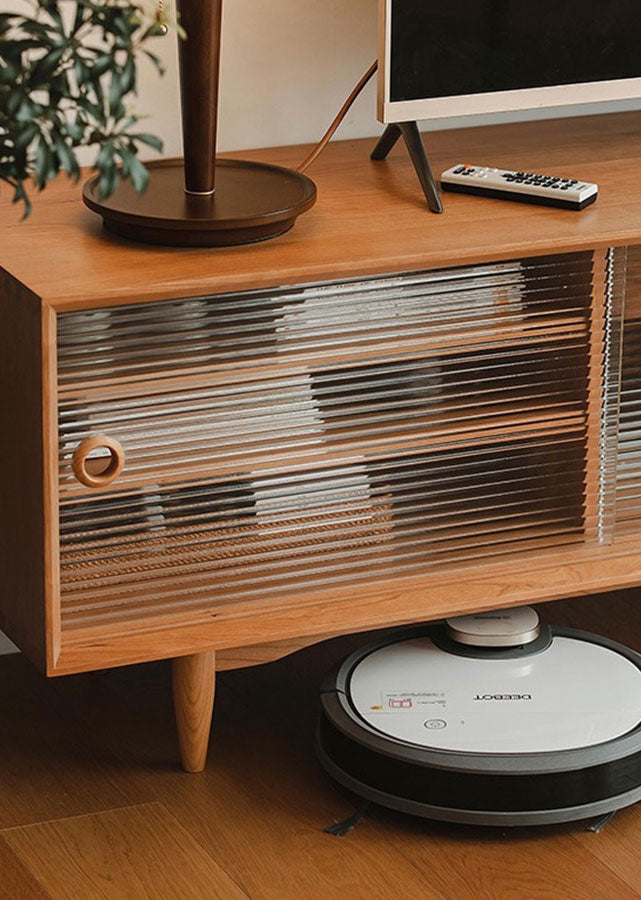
(93, 804)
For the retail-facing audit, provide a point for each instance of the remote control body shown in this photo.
(525, 187)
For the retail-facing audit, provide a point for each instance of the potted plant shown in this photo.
(68, 71)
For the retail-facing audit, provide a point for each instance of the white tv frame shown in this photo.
(493, 102)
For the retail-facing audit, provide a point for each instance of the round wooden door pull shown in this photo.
(94, 467)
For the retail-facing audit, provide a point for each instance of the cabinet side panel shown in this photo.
(22, 527)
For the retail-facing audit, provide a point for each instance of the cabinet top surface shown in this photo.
(370, 218)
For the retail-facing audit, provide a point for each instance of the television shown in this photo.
(484, 56)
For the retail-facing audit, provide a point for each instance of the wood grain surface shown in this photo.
(369, 218)
(16, 880)
(80, 746)
(133, 854)
(194, 683)
(85, 745)
(562, 572)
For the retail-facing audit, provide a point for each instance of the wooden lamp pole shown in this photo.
(205, 201)
(199, 56)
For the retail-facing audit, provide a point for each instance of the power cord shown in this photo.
(324, 141)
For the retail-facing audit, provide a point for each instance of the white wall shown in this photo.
(287, 67)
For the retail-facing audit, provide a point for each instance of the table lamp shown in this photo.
(206, 202)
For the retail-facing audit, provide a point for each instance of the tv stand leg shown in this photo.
(386, 142)
(194, 679)
(413, 141)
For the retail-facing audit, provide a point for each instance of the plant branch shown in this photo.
(63, 87)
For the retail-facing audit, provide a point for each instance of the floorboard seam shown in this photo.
(83, 815)
(27, 869)
(605, 863)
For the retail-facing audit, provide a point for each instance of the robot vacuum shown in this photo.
(491, 719)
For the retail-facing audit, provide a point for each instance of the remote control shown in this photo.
(526, 187)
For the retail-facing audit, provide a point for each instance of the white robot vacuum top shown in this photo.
(528, 725)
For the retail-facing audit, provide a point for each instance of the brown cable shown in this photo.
(324, 141)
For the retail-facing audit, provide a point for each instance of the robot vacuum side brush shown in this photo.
(487, 719)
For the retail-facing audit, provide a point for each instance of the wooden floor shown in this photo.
(93, 805)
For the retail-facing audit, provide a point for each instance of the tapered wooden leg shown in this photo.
(194, 682)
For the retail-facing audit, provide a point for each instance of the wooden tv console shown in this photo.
(385, 416)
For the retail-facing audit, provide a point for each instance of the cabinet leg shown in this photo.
(194, 681)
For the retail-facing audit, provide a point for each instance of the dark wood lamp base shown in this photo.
(205, 201)
(252, 202)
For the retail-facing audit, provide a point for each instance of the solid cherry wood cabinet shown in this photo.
(219, 456)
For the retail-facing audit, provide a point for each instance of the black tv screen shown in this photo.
(479, 46)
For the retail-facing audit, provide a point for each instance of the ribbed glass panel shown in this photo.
(610, 326)
(628, 505)
(317, 436)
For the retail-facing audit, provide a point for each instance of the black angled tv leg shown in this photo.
(386, 142)
(412, 137)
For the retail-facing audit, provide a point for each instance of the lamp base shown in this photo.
(252, 202)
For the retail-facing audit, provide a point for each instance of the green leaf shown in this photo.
(126, 156)
(37, 29)
(15, 101)
(139, 175)
(115, 95)
(14, 49)
(149, 139)
(79, 18)
(105, 62)
(155, 60)
(75, 130)
(43, 163)
(20, 195)
(66, 156)
(45, 111)
(26, 111)
(9, 72)
(52, 8)
(59, 89)
(46, 66)
(79, 70)
(88, 106)
(108, 182)
(105, 155)
(25, 136)
(128, 77)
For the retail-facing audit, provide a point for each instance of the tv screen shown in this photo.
(484, 46)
